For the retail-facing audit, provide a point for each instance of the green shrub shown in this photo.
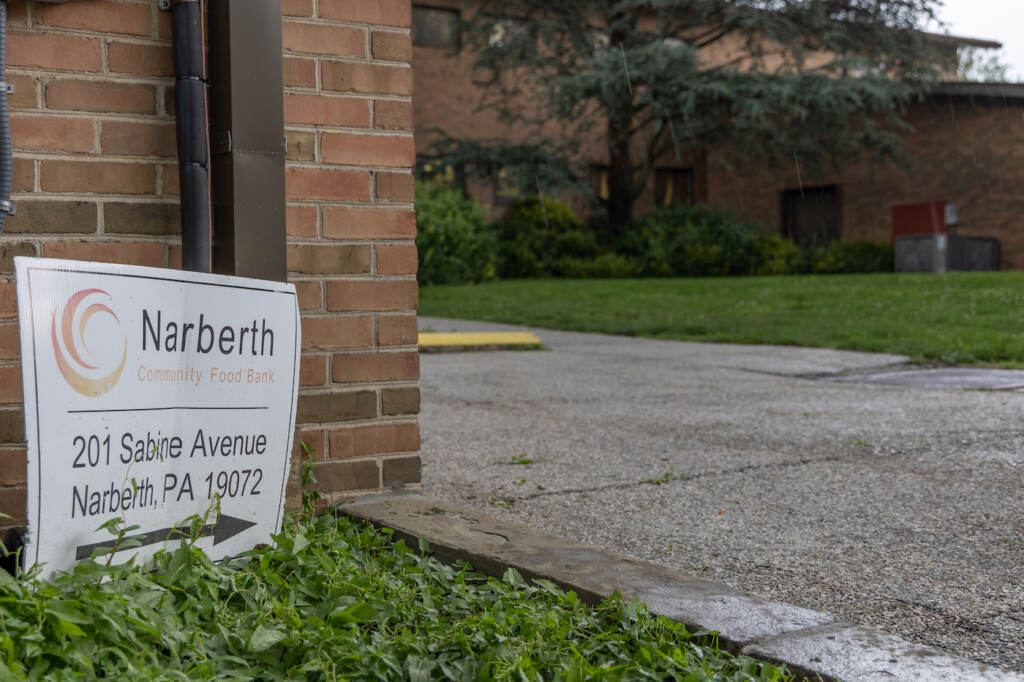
(605, 266)
(454, 242)
(693, 241)
(542, 237)
(850, 258)
(780, 256)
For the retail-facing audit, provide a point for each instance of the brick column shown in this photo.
(95, 178)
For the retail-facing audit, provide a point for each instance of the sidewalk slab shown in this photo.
(810, 642)
(978, 378)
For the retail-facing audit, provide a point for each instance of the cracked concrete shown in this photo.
(893, 506)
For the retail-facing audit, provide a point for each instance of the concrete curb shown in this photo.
(435, 342)
(812, 643)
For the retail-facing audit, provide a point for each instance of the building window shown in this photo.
(435, 27)
(812, 216)
(515, 35)
(506, 187)
(673, 186)
(599, 182)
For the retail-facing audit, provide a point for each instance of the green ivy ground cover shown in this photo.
(962, 317)
(334, 600)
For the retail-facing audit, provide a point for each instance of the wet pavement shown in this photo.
(794, 474)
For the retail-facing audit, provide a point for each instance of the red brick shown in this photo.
(382, 12)
(397, 330)
(75, 95)
(17, 12)
(12, 503)
(26, 89)
(9, 250)
(144, 60)
(129, 253)
(315, 442)
(103, 17)
(297, 8)
(329, 259)
(331, 185)
(313, 370)
(169, 180)
(368, 150)
(103, 177)
(342, 476)
(122, 138)
(48, 51)
(318, 408)
(164, 27)
(368, 78)
(299, 73)
(396, 401)
(395, 47)
(363, 367)
(377, 439)
(301, 145)
(325, 333)
(396, 259)
(54, 217)
(309, 294)
(24, 175)
(344, 222)
(8, 300)
(375, 295)
(12, 425)
(10, 385)
(10, 343)
(335, 41)
(395, 186)
(52, 133)
(301, 221)
(401, 470)
(12, 467)
(392, 115)
(326, 111)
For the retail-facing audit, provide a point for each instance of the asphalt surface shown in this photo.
(794, 474)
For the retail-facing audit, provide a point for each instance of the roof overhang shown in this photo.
(963, 41)
(965, 90)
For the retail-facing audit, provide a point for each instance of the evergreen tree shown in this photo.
(662, 78)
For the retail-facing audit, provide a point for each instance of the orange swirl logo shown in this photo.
(87, 379)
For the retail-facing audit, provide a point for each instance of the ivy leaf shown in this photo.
(263, 638)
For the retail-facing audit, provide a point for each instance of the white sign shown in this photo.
(150, 395)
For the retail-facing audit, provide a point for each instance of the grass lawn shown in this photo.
(958, 318)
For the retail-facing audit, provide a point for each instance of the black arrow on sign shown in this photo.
(226, 527)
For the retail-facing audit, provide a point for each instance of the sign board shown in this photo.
(150, 395)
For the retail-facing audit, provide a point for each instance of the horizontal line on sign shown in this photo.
(163, 409)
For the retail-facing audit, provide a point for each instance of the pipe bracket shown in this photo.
(8, 208)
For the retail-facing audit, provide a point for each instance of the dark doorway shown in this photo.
(812, 216)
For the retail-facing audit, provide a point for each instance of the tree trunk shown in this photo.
(619, 205)
(620, 120)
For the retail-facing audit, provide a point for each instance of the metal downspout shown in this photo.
(193, 138)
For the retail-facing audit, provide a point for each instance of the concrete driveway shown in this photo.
(791, 473)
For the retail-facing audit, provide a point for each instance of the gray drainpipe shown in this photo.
(193, 139)
(6, 163)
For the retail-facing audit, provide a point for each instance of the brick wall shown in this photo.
(95, 178)
(960, 150)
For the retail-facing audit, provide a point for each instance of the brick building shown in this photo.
(95, 178)
(960, 150)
